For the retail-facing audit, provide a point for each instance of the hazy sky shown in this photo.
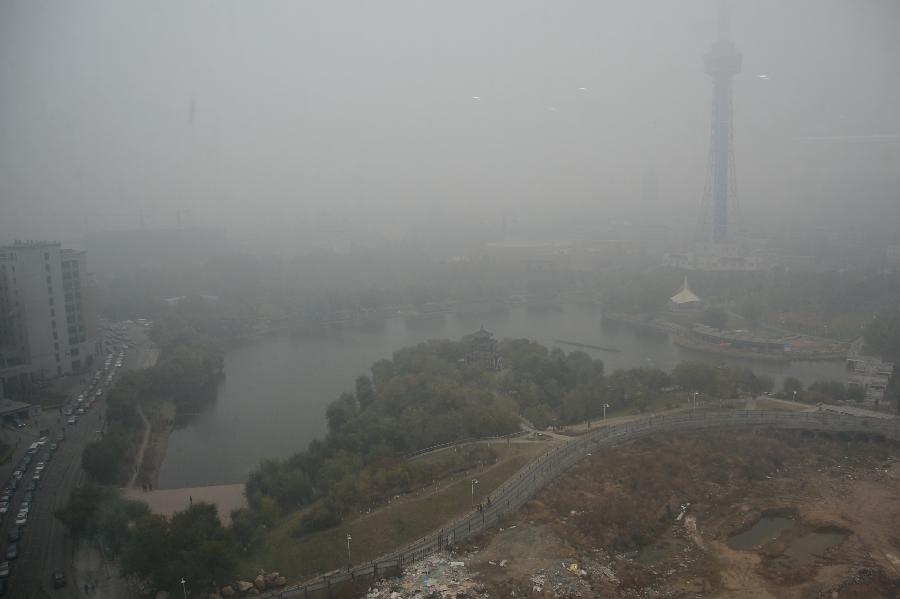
(263, 115)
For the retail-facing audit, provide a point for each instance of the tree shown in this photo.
(104, 460)
(715, 317)
(695, 376)
(365, 392)
(790, 386)
(751, 309)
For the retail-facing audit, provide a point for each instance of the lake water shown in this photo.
(272, 402)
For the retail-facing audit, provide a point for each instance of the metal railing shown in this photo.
(512, 494)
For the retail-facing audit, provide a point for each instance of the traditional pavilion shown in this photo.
(685, 300)
(483, 350)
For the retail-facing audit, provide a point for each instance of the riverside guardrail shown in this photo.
(531, 478)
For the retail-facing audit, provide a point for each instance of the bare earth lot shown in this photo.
(610, 527)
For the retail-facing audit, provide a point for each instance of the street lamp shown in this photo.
(606, 405)
(183, 588)
(795, 396)
(474, 482)
(349, 561)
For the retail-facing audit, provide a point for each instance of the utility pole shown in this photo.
(474, 482)
(349, 561)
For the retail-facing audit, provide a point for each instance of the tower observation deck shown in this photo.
(722, 63)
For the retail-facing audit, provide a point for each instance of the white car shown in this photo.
(22, 518)
(4, 507)
(72, 420)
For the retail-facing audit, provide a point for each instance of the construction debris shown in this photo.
(437, 576)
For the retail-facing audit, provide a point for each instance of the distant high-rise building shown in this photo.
(48, 319)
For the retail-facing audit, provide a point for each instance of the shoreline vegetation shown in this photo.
(435, 392)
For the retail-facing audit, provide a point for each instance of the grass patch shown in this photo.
(382, 531)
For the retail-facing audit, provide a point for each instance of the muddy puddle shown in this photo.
(786, 540)
(654, 553)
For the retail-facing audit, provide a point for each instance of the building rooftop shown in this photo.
(685, 295)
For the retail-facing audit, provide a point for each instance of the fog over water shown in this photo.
(272, 402)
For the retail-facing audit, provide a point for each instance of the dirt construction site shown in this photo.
(734, 514)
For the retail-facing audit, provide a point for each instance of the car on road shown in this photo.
(60, 436)
(28, 496)
(42, 441)
(80, 411)
(37, 476)
(22, 519)
(20, 424)
(4, 507)
(59, 579)
(67, 411)
(14, 534)
(4, 569)
(31, 486)
(53, 447)
(12, 551)
(72, 420)
(17, 475)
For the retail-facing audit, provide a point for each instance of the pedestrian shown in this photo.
(191, 499)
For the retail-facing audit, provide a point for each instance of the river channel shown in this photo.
(273, 399)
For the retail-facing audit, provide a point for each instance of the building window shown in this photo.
(55, 335)
(56, 346)
(52, 312)
(75, 351)
(57, 357)
(46, 255)
(49, 280)
(51, 301)
(47, 266)
(53, 323)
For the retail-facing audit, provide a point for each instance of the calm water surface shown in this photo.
(272, 402)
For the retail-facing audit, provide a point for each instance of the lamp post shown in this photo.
(795, 396)
(606, 405)
(474, 482)
(183, 588)
(349, 561)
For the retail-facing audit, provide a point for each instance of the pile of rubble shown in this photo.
(263, 581)
(438, 576)
(572, 579)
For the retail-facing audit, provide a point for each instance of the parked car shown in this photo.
(21, 518)
(14, 534)
(59, 579)
(12, 551)
(4, 569)
(72, 420)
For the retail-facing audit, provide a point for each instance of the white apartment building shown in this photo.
(48, 321)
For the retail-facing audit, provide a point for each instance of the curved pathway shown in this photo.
(533, 477)
(139, 459)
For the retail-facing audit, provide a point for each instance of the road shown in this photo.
(44, 547)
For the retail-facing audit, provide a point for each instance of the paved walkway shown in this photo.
(226, 498)
(139, 459)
